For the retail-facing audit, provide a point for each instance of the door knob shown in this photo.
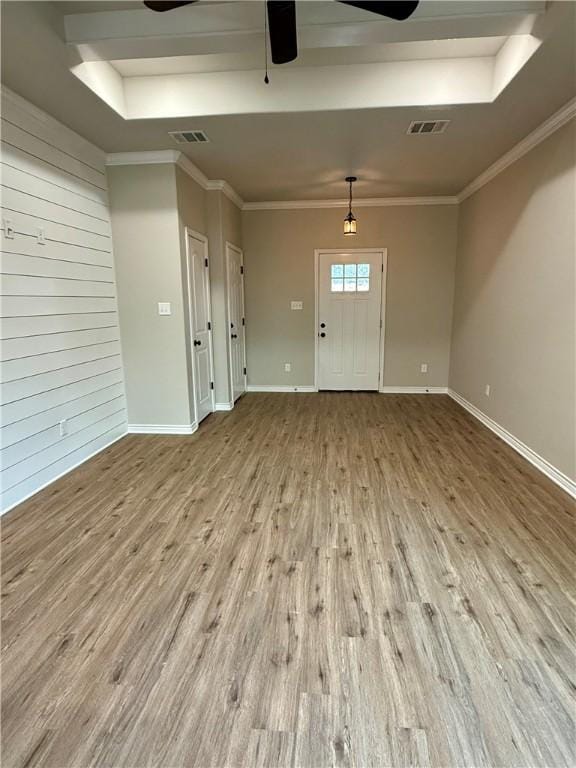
(322, 334)
(197, 343)
(322, 325)
(234, 336)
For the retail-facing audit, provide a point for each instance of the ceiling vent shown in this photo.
(428, 126)
(189, 137)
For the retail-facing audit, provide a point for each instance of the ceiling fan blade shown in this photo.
(399, 10)
(167, 5)
(282, 27)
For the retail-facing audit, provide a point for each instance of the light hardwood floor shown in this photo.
(311, 580)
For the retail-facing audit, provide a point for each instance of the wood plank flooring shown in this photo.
(311, 580)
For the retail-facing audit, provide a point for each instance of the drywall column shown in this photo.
(147, 250)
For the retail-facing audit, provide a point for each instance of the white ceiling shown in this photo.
(304, 155)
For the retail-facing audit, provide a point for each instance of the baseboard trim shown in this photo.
(63, 474)
(162, 429)
(558, 477)
(223, 406)
(414, 390)
(280, 388)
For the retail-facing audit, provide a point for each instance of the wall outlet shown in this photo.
(63, 427)
(487, 390)
(287, 367)
(40, 237)
(424, 368)
(296, 305)
(164, 308)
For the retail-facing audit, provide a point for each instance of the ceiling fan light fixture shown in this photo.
(350, 220)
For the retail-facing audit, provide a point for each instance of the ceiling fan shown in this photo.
(282, 19)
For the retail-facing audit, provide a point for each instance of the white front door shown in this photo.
(236, 321)
(200, 325)
(349, 318)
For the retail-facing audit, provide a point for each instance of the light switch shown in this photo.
(295, 305)
(164, 308)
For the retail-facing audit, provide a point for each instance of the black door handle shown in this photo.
(322, 325)
(234, 336)
(197, 343)
(322, 334)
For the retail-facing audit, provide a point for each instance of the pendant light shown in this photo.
(350, 220)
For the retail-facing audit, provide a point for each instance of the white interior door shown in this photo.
(200, 330)
(349, 319)
(236, 319)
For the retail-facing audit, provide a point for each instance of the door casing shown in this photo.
(189, 289)
(231, 247)
(350, 251)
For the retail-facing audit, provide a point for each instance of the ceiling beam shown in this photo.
(234, 27)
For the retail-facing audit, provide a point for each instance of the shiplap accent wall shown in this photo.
(60, 339)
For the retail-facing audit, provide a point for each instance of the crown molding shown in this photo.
(547, 128)
(226, 189)
(175, 157)
(367, 202)
(192, 170)
(143, 158)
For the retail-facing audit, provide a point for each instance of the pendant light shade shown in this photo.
(350, 224)
(350, 220)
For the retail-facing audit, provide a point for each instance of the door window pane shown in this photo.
(363, 270)
(349, 278)
(350, 270)
(337, 270)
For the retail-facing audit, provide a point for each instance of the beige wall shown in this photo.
(147, 255)
(514, 322)
(279, 258)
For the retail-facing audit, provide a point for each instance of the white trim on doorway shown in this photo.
(228, 246)
(188, 232)
(227, 406)
(317, 253)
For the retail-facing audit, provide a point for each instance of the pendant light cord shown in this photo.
(266, 80)
(350, 200)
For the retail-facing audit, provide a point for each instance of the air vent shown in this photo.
(189, 137)
(428, 126)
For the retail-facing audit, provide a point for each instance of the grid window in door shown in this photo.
(349, 278)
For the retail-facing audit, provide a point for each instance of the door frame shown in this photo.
(352, 252)
(228, 246)
(188, 232)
